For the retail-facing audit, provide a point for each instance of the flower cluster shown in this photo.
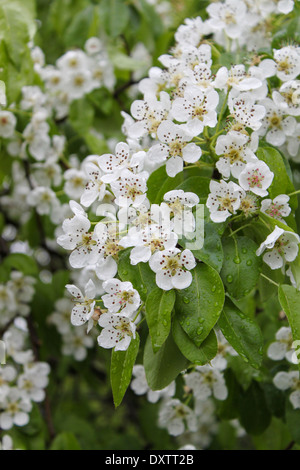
(15, 297)
(22, 379)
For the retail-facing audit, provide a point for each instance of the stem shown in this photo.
(138, 311)
(270, 280)
(294, 193)
(240, 228)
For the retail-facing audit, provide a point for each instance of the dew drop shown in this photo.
(229, 279)
(186, 300)
(199, 331)
(249, 262)
(237, 260)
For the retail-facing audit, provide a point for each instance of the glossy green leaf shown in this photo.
(197, 355)
(141, 276)
(199, 306)
(165, 365)
(122, 363)
(241, 268)
(159, 306)
(242, 333)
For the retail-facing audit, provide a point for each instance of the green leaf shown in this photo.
(17, 26)
(281, 182)
(122, 363)
(241, 268)
(65, 441)
(141, 276)
(81, 116)
(115, 16)
(212, 251)
(159, 306)
(199, 306)
(289, 299)
(254, 414)
(159, 183)
(242, 333)
(197, 355)
(165, 365)
(21, 262)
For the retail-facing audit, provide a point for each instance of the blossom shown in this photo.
(118, 331)
(276, 208)
(84, 307)
(95, 187)
(256, 177)
(281, 246)
(275, 126)
(129, 189)
(282, 347)
(16, 406)
(149, 113)
(243, 108)
(224, 200)
(228, 16)
(174, 414)
(121, 297)
(287, 61)
(289, 380)
(84, 244)
(176, 147)
(235, 153)
(205, 382)
(196, 108)
(8, 123)
(172, 268)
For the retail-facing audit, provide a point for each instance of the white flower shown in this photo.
(148, 241)
(235, 153)
(278, 208)
(43, 199)
(176, 147)
(282, 347)
(123, 158)
(257, 178)
(84, 244)
(94, 188)
(129, 189)
(8, 123)
(16, 406)
(180, 204)
(196, 108)
(288, 97)
(287, 63)
(76, 343)
(7, 376)
(282, 246)
(172, 268)
(174, 415)
(243, 108)
(34, 380)
(236, 78)
(205, 382)
(149, 113)
(224, 200)
(7, 443)
(75, 183)
(118, 331)
(84, 307)
(293, 144)
(228, 16)
(121, 297)
(284, 381)
(275, 126)
(72, 61)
